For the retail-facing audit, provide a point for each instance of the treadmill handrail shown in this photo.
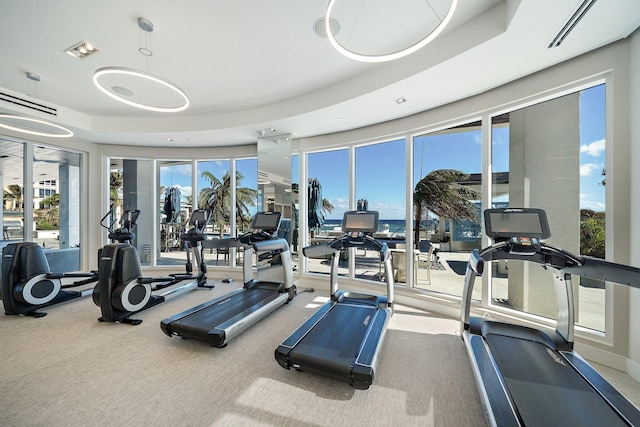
(565, 264)
(278, 245)
(583, 266)
(545, 254)
(319, 251)
(362, 242)
(608, 271)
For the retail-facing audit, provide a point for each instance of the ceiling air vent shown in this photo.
(571, 23)
(5, 97)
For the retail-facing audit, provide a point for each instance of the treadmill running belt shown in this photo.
(333, 344)
(204, 320)
(545, 388)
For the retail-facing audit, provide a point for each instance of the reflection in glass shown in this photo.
(56, 202)
(176, 198)
(214, 196)
(11, 180)
(246, 193)
(130, 188)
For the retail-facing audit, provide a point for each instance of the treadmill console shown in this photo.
(522, 228)
(357, 224)
(264, 225)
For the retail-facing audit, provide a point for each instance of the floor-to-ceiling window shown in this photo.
(246, 187)
(447, 178)
(328, 199)
(380, 186)
(41, 198)
(591, 293)
(11, 180)
(214, 196)
(130, 189)
(56, 198)
(175, 208)
(551, 156)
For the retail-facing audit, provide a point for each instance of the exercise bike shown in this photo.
(122, 290)
(28, 283)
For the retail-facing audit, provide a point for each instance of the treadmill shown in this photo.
(217, 321)
(342, 340)
(528, 376)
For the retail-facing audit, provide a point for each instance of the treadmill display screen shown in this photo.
(268, 221)
(507, 223)
(360, 222)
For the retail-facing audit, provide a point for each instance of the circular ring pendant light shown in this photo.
(390, 56)
(121, 93)
(64, 132)
(105, 71)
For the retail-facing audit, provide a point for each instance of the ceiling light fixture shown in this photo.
(31, 125)
(386, 57)
(81, 50)
(320, 29)
(143, 75)
(119, 92)
(26, 125)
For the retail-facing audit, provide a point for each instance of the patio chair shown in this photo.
(427, 252)
(399, 263)
(224, 252)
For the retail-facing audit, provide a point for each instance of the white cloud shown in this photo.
(588, 201)
(594, 149)
(588, 169)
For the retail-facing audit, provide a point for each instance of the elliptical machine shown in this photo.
(28, 283)
(122, 291)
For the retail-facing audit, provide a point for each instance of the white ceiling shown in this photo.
(251, 65)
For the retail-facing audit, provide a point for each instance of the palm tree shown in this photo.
(13, 192)
(216, 199)
(592, 233)
(115, 184)
(327, 207)
(440, 192)
(47, 217)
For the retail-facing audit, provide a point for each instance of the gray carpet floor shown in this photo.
(68, 369)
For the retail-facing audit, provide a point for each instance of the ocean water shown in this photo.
(395, 226)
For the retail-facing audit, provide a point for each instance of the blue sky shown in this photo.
(382, 183)
(380, 178)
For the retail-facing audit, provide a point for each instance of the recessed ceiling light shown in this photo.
(401, 101)
(319, 27)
